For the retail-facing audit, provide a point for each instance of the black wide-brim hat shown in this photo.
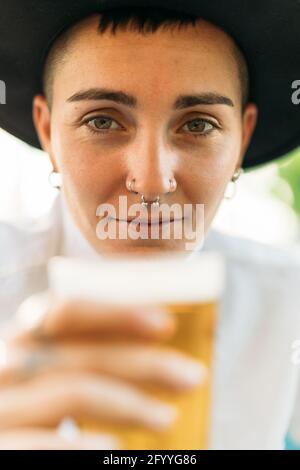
(267, 32)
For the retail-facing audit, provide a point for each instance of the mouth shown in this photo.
(153, 221)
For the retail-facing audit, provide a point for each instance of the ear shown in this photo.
(249, 123)
(42, 120)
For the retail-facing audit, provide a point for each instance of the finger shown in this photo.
(140, 363)
(43, 439)
(46, 400)
(41, 316)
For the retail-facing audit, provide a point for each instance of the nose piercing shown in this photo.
(145, 203)
(130, 186)
(172, 184)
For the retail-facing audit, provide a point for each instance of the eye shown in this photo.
(200, 127)
(101, 123)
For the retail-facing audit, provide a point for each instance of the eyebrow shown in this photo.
(182, 101)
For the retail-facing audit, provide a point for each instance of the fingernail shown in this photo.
(68, 429)
(187, 372)
(161, 416)
(32, 311)
(159, 320)
(194, 373)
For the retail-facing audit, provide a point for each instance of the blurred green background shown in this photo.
(289, 173)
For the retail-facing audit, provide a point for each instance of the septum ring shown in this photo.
(144, 203)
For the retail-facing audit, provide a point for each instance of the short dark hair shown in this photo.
(144, 20)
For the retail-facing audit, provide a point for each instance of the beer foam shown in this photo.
(137, 280)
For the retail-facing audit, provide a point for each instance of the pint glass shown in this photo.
(191, 290)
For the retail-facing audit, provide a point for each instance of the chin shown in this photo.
(140, 247)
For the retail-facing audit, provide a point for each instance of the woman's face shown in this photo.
(100, 145)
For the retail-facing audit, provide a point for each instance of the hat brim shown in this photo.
(267, 31)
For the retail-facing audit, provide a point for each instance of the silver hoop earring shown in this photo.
(237, 174)
(230, 191)
(55, 179)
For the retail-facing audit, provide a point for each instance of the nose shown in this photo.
(151, 172)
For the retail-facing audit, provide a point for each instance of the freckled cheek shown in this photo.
(206, 182)
(91, 183)
(206, 190)
(87, 175)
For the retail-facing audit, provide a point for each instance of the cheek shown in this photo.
(208, 171)
(207, 174)
(88, 174)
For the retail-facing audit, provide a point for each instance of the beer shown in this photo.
(190, 290)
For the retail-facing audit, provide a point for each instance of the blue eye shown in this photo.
(203, 127)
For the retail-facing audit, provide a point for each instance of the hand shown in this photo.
(85, 360)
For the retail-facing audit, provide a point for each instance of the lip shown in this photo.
(159, 221)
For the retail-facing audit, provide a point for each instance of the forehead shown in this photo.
(198, 56)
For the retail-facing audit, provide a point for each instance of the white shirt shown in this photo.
(255, 383)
